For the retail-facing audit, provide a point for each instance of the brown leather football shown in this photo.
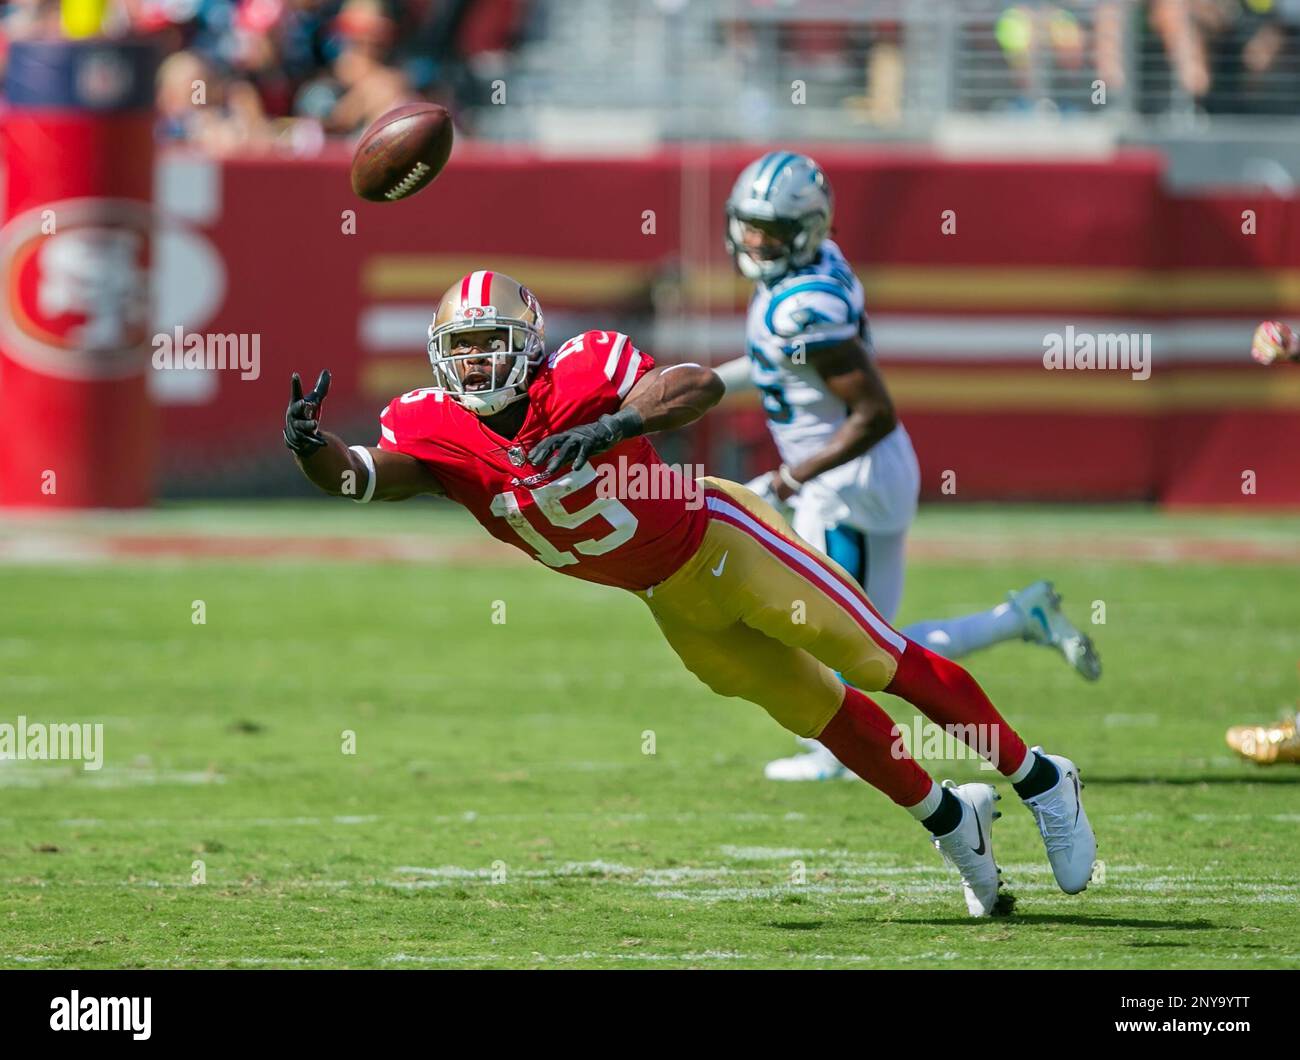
(402, 152)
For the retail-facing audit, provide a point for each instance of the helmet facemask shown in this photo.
(782, 250)
(496, 365)
(778, 215)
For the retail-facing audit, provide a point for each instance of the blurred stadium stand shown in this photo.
(971, 75)
(1079, 222)
(617, 74)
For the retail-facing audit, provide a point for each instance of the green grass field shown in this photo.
(499, 809)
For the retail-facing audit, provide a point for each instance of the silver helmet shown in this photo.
(787, 198)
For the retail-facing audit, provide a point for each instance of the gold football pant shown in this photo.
(759, 614)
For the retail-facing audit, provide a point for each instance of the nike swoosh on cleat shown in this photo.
(1078, 805)
(980, 849)
(1041, 615)
(717, 571)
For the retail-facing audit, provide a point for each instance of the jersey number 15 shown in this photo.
(549, 499)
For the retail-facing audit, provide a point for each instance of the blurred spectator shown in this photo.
(197, 105)
(289, 72)
(1231, 56)
(285, 71)
(1183, 26)
(25, 19)
(362, 83)
(1037, 42)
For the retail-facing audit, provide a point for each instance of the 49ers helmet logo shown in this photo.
(75, 282)
(530, 300)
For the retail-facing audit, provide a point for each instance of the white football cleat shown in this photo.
(1045, 623)
(816, 763)
(1063, 824)
(969, 849)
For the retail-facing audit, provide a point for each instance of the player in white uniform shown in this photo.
(849, 478)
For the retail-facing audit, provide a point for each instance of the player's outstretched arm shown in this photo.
(362, 473)
(672, 397)
(663, 399)
(852, 376)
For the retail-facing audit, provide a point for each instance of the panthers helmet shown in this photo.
(786, 196)
(478, 302)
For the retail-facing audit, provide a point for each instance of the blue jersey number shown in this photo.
(768, 381)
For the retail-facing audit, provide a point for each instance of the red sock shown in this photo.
(864, 738)
(948, 695)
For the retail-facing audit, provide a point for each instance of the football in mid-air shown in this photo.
(402, 152)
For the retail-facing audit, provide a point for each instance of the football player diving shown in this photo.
(530, 441)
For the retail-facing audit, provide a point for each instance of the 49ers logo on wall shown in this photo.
(75, 282)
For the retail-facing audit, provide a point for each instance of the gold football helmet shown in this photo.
(485, 340)
(1267, 745)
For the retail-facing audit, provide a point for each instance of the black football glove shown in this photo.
(577, 445)
(302, 417)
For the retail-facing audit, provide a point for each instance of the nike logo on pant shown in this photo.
(717, 571)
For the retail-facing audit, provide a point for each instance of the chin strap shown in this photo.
(483, 410)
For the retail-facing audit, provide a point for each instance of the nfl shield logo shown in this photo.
(516, 454)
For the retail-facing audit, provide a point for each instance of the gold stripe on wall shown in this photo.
(1036, 389)
(1101, 290)
(426, 277)
(1098, 290)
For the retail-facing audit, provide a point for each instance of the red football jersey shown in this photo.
(626, 519)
